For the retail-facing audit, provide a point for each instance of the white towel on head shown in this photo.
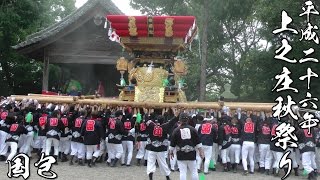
(49, 106)
(208, 119)
(62, 108)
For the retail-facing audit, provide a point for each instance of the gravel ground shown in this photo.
(102, 172)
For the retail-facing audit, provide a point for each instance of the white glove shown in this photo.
(132, 131)
(220, 147)
(106, 139)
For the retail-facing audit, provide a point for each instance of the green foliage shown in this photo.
(19, 18)
(241, 46)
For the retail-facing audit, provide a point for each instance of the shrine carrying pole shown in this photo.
(247, 106)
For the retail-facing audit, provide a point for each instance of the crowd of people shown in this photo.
(171, 139)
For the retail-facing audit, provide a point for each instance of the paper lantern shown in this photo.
(122, 64)
(179, 67)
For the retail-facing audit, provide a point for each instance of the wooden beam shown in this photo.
(45, 73)
(83, 59)
(80, 52)
(267, 107)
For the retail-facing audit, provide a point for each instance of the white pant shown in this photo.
(298, 158)
(235, 150)
(109, 151)
(127, 148)
(55, 143)
(207, 150)
(160, 157)
(65, 145)
(256, 156)
(40, 143)
(3, 144)
(225, 155)
(142, 152)
(215, 152)
(21, 140)
(78, 149)
(26, 146)
(92, 150)
(183, 168)
(173, 161)
(276, 159)
(308, 161)
(116, 151)
(102, 148)
(265, 156)
(13, 150)
(248, 152)
(292, 156)
(318, 157)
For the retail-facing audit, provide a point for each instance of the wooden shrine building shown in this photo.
(80, 42)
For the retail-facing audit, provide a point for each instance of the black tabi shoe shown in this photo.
(138, 162)
(80, 162)
(64, 157)
(316, 172)
(151, 176)
(56, 157)
(267, 172)
(128, 165)
(277, 172)
(235, 168)
(245, 173)
(296, 171)
(114, 162)
(168, 178)
(60, 155)
(312, 176)
(123, 164)
(89, 162)
(94, 161)
(71, 160)
(225, 168)
(145, 162)
(3, 158)
(106, 157)
(273, 171)
(229, 166)
(251, 172)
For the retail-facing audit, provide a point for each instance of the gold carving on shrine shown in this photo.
(145, 78)
(168, 26)
(148, 94)
(132, 26)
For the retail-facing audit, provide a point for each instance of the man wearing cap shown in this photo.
(206, 133)
(142, 136)
(54, 126)
(128, 140)
(224, 135)
(248, 145)
(115, 132)
(157, 144)
(186, 141)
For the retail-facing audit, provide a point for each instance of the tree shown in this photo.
(17, 20)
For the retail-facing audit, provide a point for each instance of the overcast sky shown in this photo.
(123, 5)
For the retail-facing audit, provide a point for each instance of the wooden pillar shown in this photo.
(45, 77)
